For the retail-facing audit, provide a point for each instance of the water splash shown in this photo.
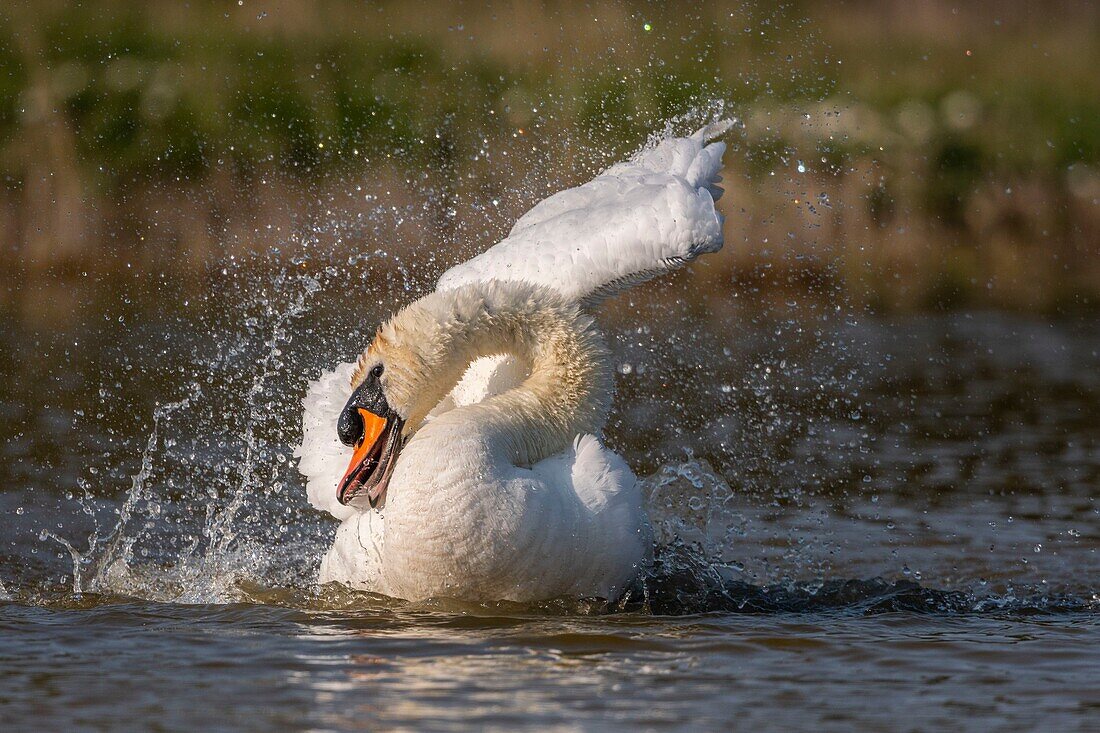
(198, 515)
(108, 556)
(221, 526)
(215, 556)
(692, 506)
(774, 410)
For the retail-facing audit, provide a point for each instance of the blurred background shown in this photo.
(910, 156)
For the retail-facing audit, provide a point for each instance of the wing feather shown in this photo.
(636, 220)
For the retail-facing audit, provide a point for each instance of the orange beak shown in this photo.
(372, 429)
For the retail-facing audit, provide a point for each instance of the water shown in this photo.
(865, 522)
(255, 667)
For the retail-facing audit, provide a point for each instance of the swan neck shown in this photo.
(568, 388)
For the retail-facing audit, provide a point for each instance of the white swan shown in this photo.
(477, 473)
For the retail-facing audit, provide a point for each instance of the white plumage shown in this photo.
(489, 499)
(637, 219)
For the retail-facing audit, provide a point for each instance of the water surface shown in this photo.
(866, 522)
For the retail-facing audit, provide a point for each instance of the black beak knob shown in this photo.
(367, 396)
(350, 425)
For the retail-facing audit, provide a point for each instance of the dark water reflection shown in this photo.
(883, 522)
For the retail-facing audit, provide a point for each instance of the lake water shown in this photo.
(867, 522)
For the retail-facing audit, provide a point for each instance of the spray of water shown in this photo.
(215, 502)
(108, 556)
(196, 547)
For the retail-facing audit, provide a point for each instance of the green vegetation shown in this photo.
(949, 156)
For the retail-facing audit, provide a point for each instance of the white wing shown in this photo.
(635, 220)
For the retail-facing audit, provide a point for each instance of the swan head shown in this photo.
(395, 385)
(375, 429)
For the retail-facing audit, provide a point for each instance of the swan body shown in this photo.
(499, 384)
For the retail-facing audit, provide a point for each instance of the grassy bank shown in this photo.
(912, 157)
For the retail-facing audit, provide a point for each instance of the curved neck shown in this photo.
(568, 388)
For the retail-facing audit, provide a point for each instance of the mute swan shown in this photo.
(468, 428)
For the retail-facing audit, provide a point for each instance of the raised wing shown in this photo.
(636, 220)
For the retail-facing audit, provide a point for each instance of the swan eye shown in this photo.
(376, 372)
